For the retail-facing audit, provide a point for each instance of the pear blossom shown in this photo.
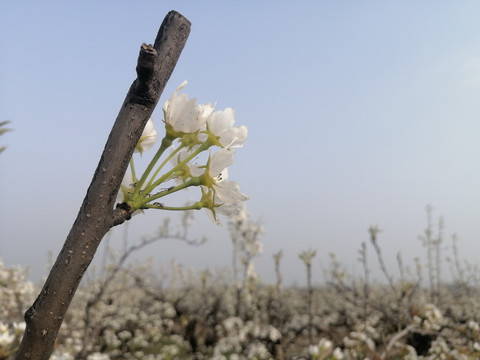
(246, 234)
(216, 165)
(148, 138)
(307, 256)
(223, 197)
(337, 354)
(98, 356)
(227, 194)
(274, 335)
(218, 195)
(326, 346)
(220, 125)
(6, 338)
(125, 188)
(313, 350)
(183, 115)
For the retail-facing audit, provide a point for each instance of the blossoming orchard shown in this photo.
(151, 311)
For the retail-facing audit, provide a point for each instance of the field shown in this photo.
(135, 311)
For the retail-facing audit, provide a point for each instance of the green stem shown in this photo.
(149, 187)
(167, 175)
(196, 206)
(132, 167)
(166, 143)
(192, 182)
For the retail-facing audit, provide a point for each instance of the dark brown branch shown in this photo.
(97, 214)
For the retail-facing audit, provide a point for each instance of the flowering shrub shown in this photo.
(195, 317)
(16, 293)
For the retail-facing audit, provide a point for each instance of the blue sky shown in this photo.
(359, 114)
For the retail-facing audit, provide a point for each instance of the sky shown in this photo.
(359, 114)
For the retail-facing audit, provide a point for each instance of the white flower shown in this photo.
(220, 124)
(5, 337)
(218, 164)
(313, 350)
(250, 272)
(274, 335)
(473, 325)
(337, 354)
(148, 138)
(307, 256)
(218, 195)
(125, 188)
(98, 356)
(227, 193)
(326, 346)
(183, 115)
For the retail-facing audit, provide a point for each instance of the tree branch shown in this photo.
(97, 215)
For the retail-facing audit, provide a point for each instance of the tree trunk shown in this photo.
(97, 214)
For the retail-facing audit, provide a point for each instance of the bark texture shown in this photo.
(97, 214)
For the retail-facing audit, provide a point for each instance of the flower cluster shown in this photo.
(190, 130)
(430, 318)
(307, 256)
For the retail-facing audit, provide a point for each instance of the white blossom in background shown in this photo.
(307, 256)
(64, 356)
(431, 318)
(313, 351)
(337, 354)
(473, 325)
(6, 337)
(245, 235)
(16, 295)
(98, 356)
(322, 350)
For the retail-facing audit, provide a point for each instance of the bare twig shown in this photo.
(97, 214)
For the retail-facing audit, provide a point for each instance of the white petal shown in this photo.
(228, 209)
(148, 138)
(241, 133)
(221, 121)
(220, 124)
(220, 160)
(196, 170)
(183, 114)
(127, 182)
(229, 192)
(205, 110)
